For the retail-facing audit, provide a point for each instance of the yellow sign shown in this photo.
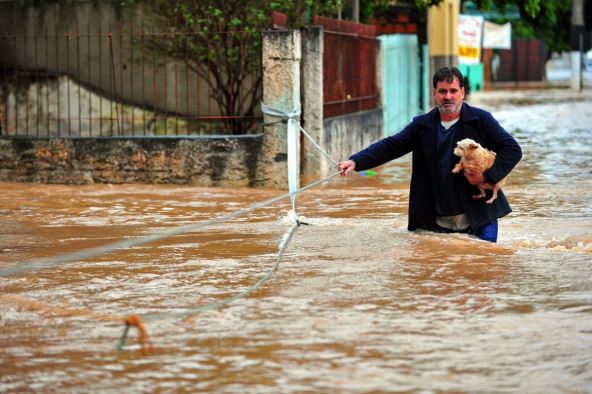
(469, 39)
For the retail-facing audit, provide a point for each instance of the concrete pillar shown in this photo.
(313, 162)
(281, 90)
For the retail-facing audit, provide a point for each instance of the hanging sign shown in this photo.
(497, 36)
(469, 39)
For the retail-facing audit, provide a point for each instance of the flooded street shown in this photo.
(358, 304)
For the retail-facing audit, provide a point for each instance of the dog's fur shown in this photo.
(475, 158)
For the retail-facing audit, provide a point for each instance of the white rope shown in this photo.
(217, 304)
(292, 119)
(266, 109)
(318, 146)
(128, 243)
(293, 170)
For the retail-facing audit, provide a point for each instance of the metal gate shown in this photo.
(400, 80)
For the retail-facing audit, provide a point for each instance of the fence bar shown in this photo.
(119, 97)
(240, 95)
(100, 45)
(197, 81)
(89, 80)
(209, 81)
(3, 117)
(176, 87)
(47, 77)
(16, 78)
(66, 104)
(5, 111)
(37, 93)
(353, 99)
(143, 77)
(131, 68)
(67, 38)
(26, 58)
(186, 50)
(155, 116)
(166, 90)
(79, 78)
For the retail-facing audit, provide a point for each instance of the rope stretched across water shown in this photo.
(135, 320)
(216, 304)
(128, 243)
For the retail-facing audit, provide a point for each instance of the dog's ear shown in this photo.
(473, 145)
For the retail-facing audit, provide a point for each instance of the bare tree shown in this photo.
(221, 42)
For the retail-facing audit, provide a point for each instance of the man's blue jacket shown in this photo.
(421, 138)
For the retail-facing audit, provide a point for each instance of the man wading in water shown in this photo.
(439, 200)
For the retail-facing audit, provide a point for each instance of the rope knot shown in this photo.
(266, 109)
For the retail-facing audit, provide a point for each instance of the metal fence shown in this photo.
(129, 81)
(349, 67)
(350, 54)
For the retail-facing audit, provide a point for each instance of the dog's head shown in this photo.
(466, 147)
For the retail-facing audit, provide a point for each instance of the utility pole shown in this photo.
(577, 43)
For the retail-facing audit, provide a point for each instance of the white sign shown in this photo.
(469, 39)
(497, 36)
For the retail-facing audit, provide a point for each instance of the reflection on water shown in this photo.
(358, 304)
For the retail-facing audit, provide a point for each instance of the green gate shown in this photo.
(401, 76)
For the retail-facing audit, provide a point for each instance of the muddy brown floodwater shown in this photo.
(358, 304)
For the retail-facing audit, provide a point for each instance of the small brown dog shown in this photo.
(475, 158)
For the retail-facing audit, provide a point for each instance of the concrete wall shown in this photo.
(345, 135)
(213, 161)
(221, 161)
(313, 161)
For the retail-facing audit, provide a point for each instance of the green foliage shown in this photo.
(551, 24)
(527, 7)
(370, 8)
(547, 20)
(420, 5)
(219, 40)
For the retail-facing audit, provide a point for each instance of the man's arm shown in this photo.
(384, 150)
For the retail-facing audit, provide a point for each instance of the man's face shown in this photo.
(449, 97)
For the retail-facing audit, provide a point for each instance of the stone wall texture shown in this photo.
(212, 161)
(347, 134)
